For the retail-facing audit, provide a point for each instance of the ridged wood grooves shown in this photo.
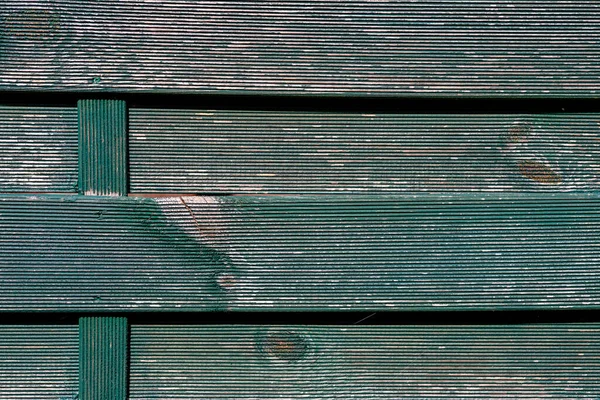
(38, 362)
(97, 253)
(483, 48)
(212, 151)
(317, 253)
(102, 147)
(557, 361)
(103, 358)
(38, 149)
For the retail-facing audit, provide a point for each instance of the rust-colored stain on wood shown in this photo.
(539, 172)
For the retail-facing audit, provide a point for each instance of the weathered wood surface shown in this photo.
(38, 362)
(427, 252)
(203, 151)
(403, 362)
(444, 48)
(38, 149)
(102, 147)
(89, 252)
(103, 358)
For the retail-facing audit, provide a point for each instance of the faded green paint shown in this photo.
(426, 252)
(370, 362)
(103, 358)
(100, 253)
(315, 253)
(38, 149)
(102, 147)
(485, 48)
(38, 362)
(213, 151)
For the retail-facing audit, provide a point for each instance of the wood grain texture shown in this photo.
(505, 48)
(103, 358)
(207, 151)
(38, 362)
(314, 253)
(100, 253)
(102, 147)
(375, 362)
(38, 149)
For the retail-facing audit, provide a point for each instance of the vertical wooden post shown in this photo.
(103, 341)
(103, 358)
(102, 147)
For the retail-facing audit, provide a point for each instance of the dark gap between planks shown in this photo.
(341, 318)
(339, 104)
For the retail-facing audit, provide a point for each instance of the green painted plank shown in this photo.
(38, 362)
(504, 48)
(377, 362)
(401, 252)
(38, 149)
(207, 151)
(102, 147)
(100, 253)
(103, 358)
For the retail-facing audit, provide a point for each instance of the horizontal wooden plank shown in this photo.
(504, 48)
(38, 362)
(375, 362)
(88, 252)
(194, 151)
(401, 252)
(38, 149)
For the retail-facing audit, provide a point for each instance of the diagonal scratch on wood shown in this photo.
(192, 214)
